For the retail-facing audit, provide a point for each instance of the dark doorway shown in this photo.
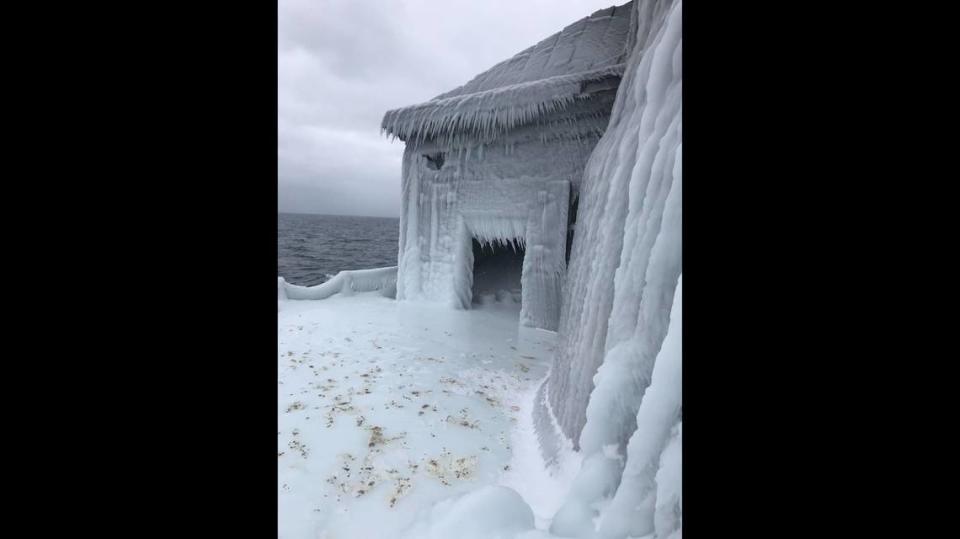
(497, 268)
(571, 222)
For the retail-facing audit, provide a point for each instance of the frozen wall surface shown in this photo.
(497, 196)
(626, 251)
(615, 386)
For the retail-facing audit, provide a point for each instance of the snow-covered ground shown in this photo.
(387, 409)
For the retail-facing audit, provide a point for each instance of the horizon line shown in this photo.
(337, 215)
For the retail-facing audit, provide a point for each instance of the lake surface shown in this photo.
(313, 248)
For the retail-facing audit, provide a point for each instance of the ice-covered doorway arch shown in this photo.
(527, 246)
(491, 247)
(497, 272)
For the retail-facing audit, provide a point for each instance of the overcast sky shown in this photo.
(344, 63)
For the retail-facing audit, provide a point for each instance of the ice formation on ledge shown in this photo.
(344, 282)
(499, 161)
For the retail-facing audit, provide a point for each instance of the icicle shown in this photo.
(489, 113)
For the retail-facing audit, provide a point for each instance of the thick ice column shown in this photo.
(462, 276)
(430, 230)
(544, 262)
(409, 267)
(448, 239)
(645, 484)
(668, 515)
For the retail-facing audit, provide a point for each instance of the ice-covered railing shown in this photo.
(488, 114)
(346, 282)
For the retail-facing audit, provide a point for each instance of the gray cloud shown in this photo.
(343, 63)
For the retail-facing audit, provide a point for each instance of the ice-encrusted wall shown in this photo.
(517, 188)
(615, 387)
(626, 252)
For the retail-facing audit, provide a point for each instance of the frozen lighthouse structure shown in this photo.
(492, 171)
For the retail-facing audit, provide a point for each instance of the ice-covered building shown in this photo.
(492, 170)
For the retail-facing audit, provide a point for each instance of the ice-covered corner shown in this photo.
(518, 373)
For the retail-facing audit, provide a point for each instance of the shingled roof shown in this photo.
(545, 78)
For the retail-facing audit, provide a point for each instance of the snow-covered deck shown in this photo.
(386, 408)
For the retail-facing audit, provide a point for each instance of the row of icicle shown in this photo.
(486, 115)
(583, 123)
(493, 230)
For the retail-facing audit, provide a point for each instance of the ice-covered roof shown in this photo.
(545, 78)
